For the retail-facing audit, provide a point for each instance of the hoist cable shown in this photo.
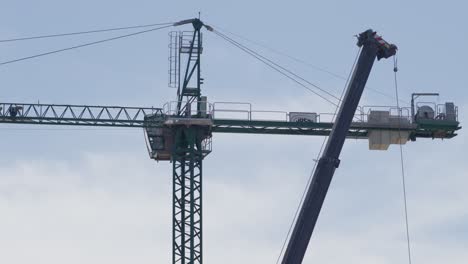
(82, 45)
(274, 66)
(403, 176)
(309, 180)
(284, 54)
(84, 32)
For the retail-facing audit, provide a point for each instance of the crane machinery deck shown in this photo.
(181, 131)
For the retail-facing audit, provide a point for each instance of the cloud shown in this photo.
(115, 207)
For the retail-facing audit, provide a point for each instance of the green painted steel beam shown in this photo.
(140, 117)
(282, 131)
(246, 127)
(302, 125)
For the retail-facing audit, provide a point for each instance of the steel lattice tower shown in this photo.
(188, 151)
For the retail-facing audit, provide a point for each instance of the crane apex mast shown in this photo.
(185, 140)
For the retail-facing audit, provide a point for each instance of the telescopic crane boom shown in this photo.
(373, 46)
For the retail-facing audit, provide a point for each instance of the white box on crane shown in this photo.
(381, 139)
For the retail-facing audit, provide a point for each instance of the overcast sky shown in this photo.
(72, 195)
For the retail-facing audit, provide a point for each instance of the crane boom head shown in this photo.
(370, 37)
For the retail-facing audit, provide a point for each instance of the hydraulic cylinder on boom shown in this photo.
(373, 46)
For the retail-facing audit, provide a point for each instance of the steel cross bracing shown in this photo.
(187, 155)
(187, 198)
(78, 115)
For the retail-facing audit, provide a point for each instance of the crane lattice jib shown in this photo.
(144, 117)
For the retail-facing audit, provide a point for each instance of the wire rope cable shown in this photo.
(309, 180)
(280, 69)
(402, 164)
(290, 72)
(284, 54)
(84, 32)
(301, 61)
(82, 45)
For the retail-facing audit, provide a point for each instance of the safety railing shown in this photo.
(186, 38)
(232, 110)
(200, 109)
(174, 59)
(245, 111)
(402, 112)
(441, 112)
(207, 145)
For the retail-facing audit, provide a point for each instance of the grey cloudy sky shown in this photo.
(94, 196)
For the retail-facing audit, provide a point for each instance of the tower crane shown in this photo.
(181, 132)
